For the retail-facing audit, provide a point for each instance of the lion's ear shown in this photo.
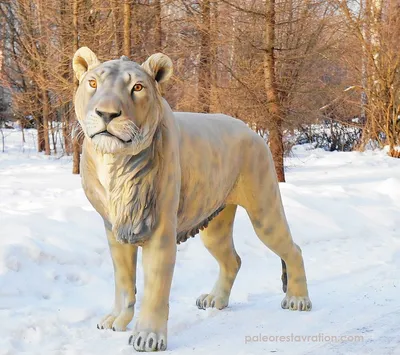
(159, 67)
(84, 60)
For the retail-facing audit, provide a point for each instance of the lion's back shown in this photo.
(214, 128)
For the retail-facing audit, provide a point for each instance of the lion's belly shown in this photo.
(203, 195)
(211, 159)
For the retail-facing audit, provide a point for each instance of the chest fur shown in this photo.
(129, 193)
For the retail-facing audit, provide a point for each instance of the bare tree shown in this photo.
(157, 26)
(204, 81)
(127, 27)
(75, 38)
(274, 107)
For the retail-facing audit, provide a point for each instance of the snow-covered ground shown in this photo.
(56, 277)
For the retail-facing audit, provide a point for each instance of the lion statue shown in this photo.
(158, 177)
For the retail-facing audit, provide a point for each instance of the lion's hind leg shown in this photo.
(269, 222)
(217, 238)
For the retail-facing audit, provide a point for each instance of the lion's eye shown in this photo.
(137, 87)
(93, 83)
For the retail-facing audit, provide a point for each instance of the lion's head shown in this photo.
(118, 102)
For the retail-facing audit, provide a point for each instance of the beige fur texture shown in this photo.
(158, 177)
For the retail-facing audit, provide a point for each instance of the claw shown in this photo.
(212, 301)
(138, 341)
(296, 303)
(144, 341)
(162, 346)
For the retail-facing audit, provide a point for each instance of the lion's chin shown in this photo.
(108, 144)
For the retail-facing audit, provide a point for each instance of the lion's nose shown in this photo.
(107, 116)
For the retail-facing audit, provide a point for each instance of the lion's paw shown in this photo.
(106, 322)
(212, 301)
(295, 303)
(116, 323)
(148, 341)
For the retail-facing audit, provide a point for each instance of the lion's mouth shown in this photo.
(105, 133)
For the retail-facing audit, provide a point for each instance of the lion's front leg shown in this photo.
(159, 254)
(124, 258)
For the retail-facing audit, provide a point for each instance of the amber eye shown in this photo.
(93, 83)
(137, 87)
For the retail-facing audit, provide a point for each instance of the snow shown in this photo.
(56, 278)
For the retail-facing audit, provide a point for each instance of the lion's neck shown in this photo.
(129, 183)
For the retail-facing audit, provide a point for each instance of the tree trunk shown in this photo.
(45, 103)
(43, 94)
(127, 27)
(158, 28)
(204, 84)
(233, 44)
(274, 106)
(39, 127)
(364, 63)
(66, 70)
(214, 42)
(66, 129)
(40, 135)
(2, 141)
(76, 147)
(136, 37)
(53, 134)
(116, 23)
(23, 130)
(76, 157)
